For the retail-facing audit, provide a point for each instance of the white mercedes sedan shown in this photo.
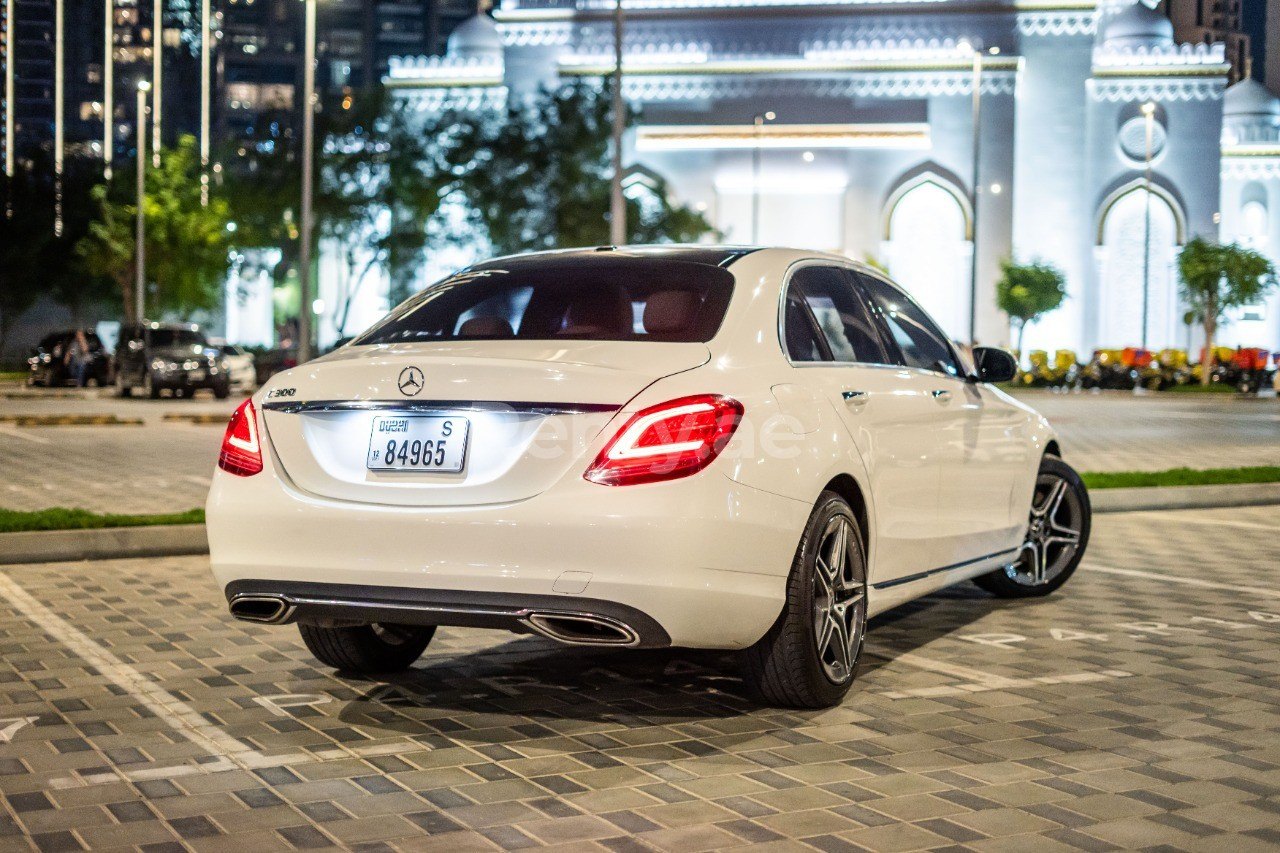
(695, 446)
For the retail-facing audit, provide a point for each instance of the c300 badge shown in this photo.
(410, 381)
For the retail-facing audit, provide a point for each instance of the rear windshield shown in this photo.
(593, 299)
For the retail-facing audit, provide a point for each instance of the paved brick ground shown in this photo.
(165, 467)
(1138, 708)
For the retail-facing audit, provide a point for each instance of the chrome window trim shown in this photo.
(446, 407)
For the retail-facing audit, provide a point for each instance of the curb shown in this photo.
(68, 420)
(107, 543)
(1184, 497)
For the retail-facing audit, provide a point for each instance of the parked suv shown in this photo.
(48, 364)
(177, 356)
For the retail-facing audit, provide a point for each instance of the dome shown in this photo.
(477, 37)
(1138, 25)
(1249, 98)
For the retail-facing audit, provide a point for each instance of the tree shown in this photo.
(538, 176)
(382, 177)
(1217, 277)
(1026, 292)
(379, 178)
(187, 244)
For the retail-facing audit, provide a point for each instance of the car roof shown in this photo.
(708, 255)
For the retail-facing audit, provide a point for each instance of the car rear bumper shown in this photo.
(704, 559)
(576, 621)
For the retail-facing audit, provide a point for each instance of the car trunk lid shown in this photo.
(530, 410)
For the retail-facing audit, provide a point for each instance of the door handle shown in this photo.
(855, 399)
(942, 395)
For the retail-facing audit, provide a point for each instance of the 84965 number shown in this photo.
(426, 453)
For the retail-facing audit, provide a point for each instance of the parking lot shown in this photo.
(1136, 708)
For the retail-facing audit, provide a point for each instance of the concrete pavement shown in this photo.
(1135, 708)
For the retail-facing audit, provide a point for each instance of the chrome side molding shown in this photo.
(451, 407)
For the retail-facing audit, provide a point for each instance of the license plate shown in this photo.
(197, 376)
(417, 443)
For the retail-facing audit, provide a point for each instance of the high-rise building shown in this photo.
(1214, 21)
(260, 61)
(257, 61)
(1271, 48)
(33, 74)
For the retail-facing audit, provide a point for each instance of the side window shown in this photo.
(802, 341)
(846, 324)
(922, 343)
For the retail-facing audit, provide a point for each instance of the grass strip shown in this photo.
(12, 376)
(1181, 477)
(61, 518)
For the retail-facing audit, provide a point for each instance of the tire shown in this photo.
(122, 389)
(221, 392)
(790, 665)
(367, 648)
(1056, 538)
(149, 387)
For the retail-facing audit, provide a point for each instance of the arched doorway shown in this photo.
(929, 252)
(1121, 272)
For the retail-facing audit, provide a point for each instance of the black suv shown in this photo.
(48, 362)
(155, 356)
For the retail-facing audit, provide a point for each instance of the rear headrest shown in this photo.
(604, 311)
(670, 311)
(486, 327)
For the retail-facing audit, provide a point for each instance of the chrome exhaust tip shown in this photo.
(582, 629)
(268, 609)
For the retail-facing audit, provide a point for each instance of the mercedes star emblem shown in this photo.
(410, 381)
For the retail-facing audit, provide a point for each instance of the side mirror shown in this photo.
(992, 364)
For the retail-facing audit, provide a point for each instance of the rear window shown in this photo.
(583, 298)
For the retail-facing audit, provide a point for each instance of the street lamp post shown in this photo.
(976, 146)
(140, 227)
(59, 120)
(108, 86)
(617, 202)
(8, 92)
(758, 121)
(157, 76)
(308, 134)
(1148, 110)
(205, 82)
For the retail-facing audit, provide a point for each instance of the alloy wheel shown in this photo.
(1053, 532)
(839, 600)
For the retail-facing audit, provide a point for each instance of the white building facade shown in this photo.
(848, 126)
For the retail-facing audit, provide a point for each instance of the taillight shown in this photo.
(667, 441)
(241, 449)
